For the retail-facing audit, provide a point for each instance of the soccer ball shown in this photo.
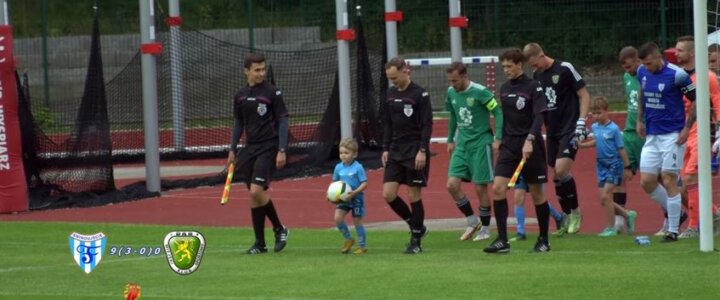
(336, 190)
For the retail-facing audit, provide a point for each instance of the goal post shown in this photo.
(700, 12)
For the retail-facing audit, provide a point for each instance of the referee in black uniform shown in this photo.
(568, 103)
(407, 130)
(523, 106)
(260, 111)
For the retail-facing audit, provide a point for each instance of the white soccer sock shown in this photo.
(660, 196)
(619, 223)
(472, 220)
(674, 209)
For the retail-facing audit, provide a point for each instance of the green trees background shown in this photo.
(586, 32)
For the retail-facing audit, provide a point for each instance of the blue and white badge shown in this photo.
(87, 250)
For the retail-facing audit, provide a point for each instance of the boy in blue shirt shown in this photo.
(351, 172)
(611, 161)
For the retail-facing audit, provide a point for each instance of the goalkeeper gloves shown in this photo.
(580, 130)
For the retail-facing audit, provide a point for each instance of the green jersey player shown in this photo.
(471, 143)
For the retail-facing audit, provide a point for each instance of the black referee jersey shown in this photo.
(408, 117)
(522, 100)
(561, 83)
(259, 108)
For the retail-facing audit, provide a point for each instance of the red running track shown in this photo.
(301, 203)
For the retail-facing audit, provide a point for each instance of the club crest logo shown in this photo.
(408, 110)
(262, 109)
(555, 79)
(520, 103)
(661, 86)
(184, 250)
(470, 102)
(87, 250)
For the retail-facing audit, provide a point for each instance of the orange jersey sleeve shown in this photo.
(714, 96)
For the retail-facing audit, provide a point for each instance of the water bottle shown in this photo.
(642, 240)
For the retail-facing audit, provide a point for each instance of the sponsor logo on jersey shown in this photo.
(551, 98)
(464, 117)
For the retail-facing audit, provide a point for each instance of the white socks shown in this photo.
(619, 222)
(674, 209)
(660, 196)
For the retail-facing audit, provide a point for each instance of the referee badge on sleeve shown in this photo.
(262, 109)
(520, 103)
(408, 110)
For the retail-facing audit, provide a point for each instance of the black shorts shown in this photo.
(560, 147)
(400, 166)
(256, 163)
(535, 169)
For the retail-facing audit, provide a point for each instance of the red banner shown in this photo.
(13, 189)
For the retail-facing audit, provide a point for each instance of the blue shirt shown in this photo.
(662, 94)
(608, 140)
(352, 174)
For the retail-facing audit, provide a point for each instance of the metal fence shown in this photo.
(587, 33)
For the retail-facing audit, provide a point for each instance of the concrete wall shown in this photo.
(68, 56)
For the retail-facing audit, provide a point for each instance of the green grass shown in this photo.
(36, 264)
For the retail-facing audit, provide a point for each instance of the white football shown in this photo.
(336, 190)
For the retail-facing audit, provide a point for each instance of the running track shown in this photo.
(301, 203)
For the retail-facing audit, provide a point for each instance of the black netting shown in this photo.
(73, 167)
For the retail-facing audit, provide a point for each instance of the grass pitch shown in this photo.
(37, 264)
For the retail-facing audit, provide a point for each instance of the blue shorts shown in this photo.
(520, 184)
(609, 171)
(356, 206)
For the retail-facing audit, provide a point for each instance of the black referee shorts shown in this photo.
(400, 166)
(535, 169)
(256, 163)
(560, 147)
